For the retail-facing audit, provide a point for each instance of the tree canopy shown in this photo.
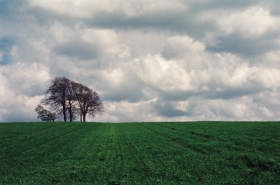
(44, 114)
(70, 100)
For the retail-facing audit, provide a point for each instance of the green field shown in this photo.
(140, 153)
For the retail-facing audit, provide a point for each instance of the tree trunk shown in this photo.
(84, 117)
(71, 114)
(70, 110)
(64, 113)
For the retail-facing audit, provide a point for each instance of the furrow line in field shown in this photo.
(132, 165)
(42, 156)
(162, 165)
(119, 168)
(77, 164)
(25, 138)
(179, 131)
(120, 155)
(200, 144)
(190, 133)
(103, 156)
(96, 154)
(165, 126)
(26, 150)
(53, 125)
(14, 134)
(206, 136)
(24, 130)
(86, 141)
(136, 155)
(109, 159)
(173, 140)
(69, 139)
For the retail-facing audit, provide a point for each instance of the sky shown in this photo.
(149, 60)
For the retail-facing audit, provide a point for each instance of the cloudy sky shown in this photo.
(148, 60)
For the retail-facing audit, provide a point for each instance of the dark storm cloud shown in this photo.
(169, 52)
(167, 109)
(176, 95)
(275, 11)
(218, 4)
(15, 117)
(128, 93)
(46, 18)
(78, 49)
(227, 5)
(241, 45)
(170, 21)
(224, 92)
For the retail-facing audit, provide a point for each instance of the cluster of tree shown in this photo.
(69, 100)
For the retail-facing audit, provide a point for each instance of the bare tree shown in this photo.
(70, 99)
(94, 106)
(88, 102)
(56, 96)
(44, 114)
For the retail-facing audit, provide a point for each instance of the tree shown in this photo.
(60, 97)
(69, 99)
(44, 114)
(88, 102)
(55, 96)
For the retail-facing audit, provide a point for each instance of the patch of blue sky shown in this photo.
(6, 45)
(8, 8)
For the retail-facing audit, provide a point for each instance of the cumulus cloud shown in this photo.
(247, 32)
(253, 22)
(148, 60)
(15, 105)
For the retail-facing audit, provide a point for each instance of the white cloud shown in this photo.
(164, 75)
(130, 112)
(182, 46)
(85, 8)
(113, 78)
(81, 8)
(268, 78)
(158, 7)
(15, 105)
(87, 44)
(241, 108)
(26, 79)
(253, 22)
(3, 87)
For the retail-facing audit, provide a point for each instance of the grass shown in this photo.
(140, 153)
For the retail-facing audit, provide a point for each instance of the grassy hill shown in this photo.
(140, 153)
